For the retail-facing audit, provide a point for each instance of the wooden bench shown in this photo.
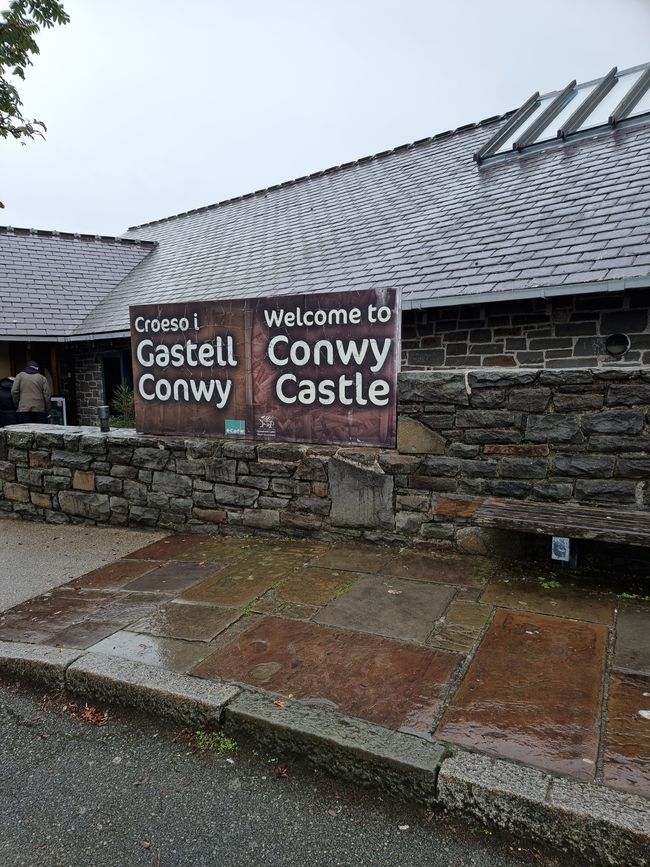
(568, 520)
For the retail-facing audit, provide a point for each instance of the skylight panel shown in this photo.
(601, 113)
(542, 104)
(642, 106)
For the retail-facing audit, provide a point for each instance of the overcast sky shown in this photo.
(155, 107)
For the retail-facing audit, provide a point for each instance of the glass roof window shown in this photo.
(605, 102)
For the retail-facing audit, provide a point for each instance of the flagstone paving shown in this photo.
(533, 693)
(507, 659)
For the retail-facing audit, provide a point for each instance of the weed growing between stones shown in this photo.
(215, 742)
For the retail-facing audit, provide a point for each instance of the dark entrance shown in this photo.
(116, 371)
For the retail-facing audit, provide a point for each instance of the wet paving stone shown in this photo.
(51, 612)
(533, 693)
(126, 608)
(169, 548)
(167, 653)
(187, 621)
(405, 610)
(174, 577)
(296, 611)
(316, 586)
(632, 651)
(627, 742)
(115, 574)
(356, 558)
(461, 626)
(458, 569)
(232, 588)
(276, 565)
(556, 601)
(386, 682)
(82, 635)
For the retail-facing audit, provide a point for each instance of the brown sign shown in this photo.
(316, 368)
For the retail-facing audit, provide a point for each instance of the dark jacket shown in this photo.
(7, 408)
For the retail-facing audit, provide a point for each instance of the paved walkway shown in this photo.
(506, 660)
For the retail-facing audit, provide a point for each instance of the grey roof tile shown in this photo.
(49, 283)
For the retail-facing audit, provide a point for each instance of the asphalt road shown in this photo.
(138, 792)
(36, 557)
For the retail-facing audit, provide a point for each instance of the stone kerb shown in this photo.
(547, 435)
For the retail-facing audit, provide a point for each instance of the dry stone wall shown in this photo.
(552, 436)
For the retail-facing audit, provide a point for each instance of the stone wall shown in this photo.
(554, 333)
(89, 379)
(574, 435)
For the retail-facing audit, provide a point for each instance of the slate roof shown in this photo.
(424, 218)
(50, 281)
(560, 217)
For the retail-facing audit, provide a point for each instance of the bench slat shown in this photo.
(576, 522)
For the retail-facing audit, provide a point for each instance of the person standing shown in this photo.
(7, 408)
(31, 394)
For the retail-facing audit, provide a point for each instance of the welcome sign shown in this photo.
(318, 368)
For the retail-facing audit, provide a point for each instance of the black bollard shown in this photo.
(103, 412)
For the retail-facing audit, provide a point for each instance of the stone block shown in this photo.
(577, 402)
(188, 467)
(203, 448)
(20, 439)
(33, 478)
(146, 516)
(606, 491)
(221, 470)
(240, 451)
(150, 458)
(489, 398)
(83, 480)
(42, 501)
(487, 436)
(272, 502)
(432, 387)
(47, 440)
(479, 469)
(15, 492)
(523, 468)
(7, 471)
(415, 438)
(122, 471)
(409, 522)
(553, 428)
(135, 492)
(492, 418)
(260, 482)
(470, 540)
(629, 395)
(119, 505)
(203, 499)
(501, 378)
(262, 519)
(210, 516)
(172, 483)
(312, 469)
(282, 452)
(593, 466)
(71, 460)
(529, 399)
(39, 459)
(52, 484)
(93, 445)
(633, 468)
(553, 491)
(108, 485)
(361, 496)
(85, 505)
(613, 422)
(19, 457)
(509, 489)
(433, 483)
(120, 454)
(316, 505)
(520, 451)
(436, 466)
(289, 486)
(232, 495)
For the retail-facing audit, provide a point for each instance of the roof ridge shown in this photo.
(362, 160)
(75, 236)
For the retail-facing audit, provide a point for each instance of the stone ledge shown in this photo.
(157, 691)
(363, 753)
(42, 664)
(606, 826)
